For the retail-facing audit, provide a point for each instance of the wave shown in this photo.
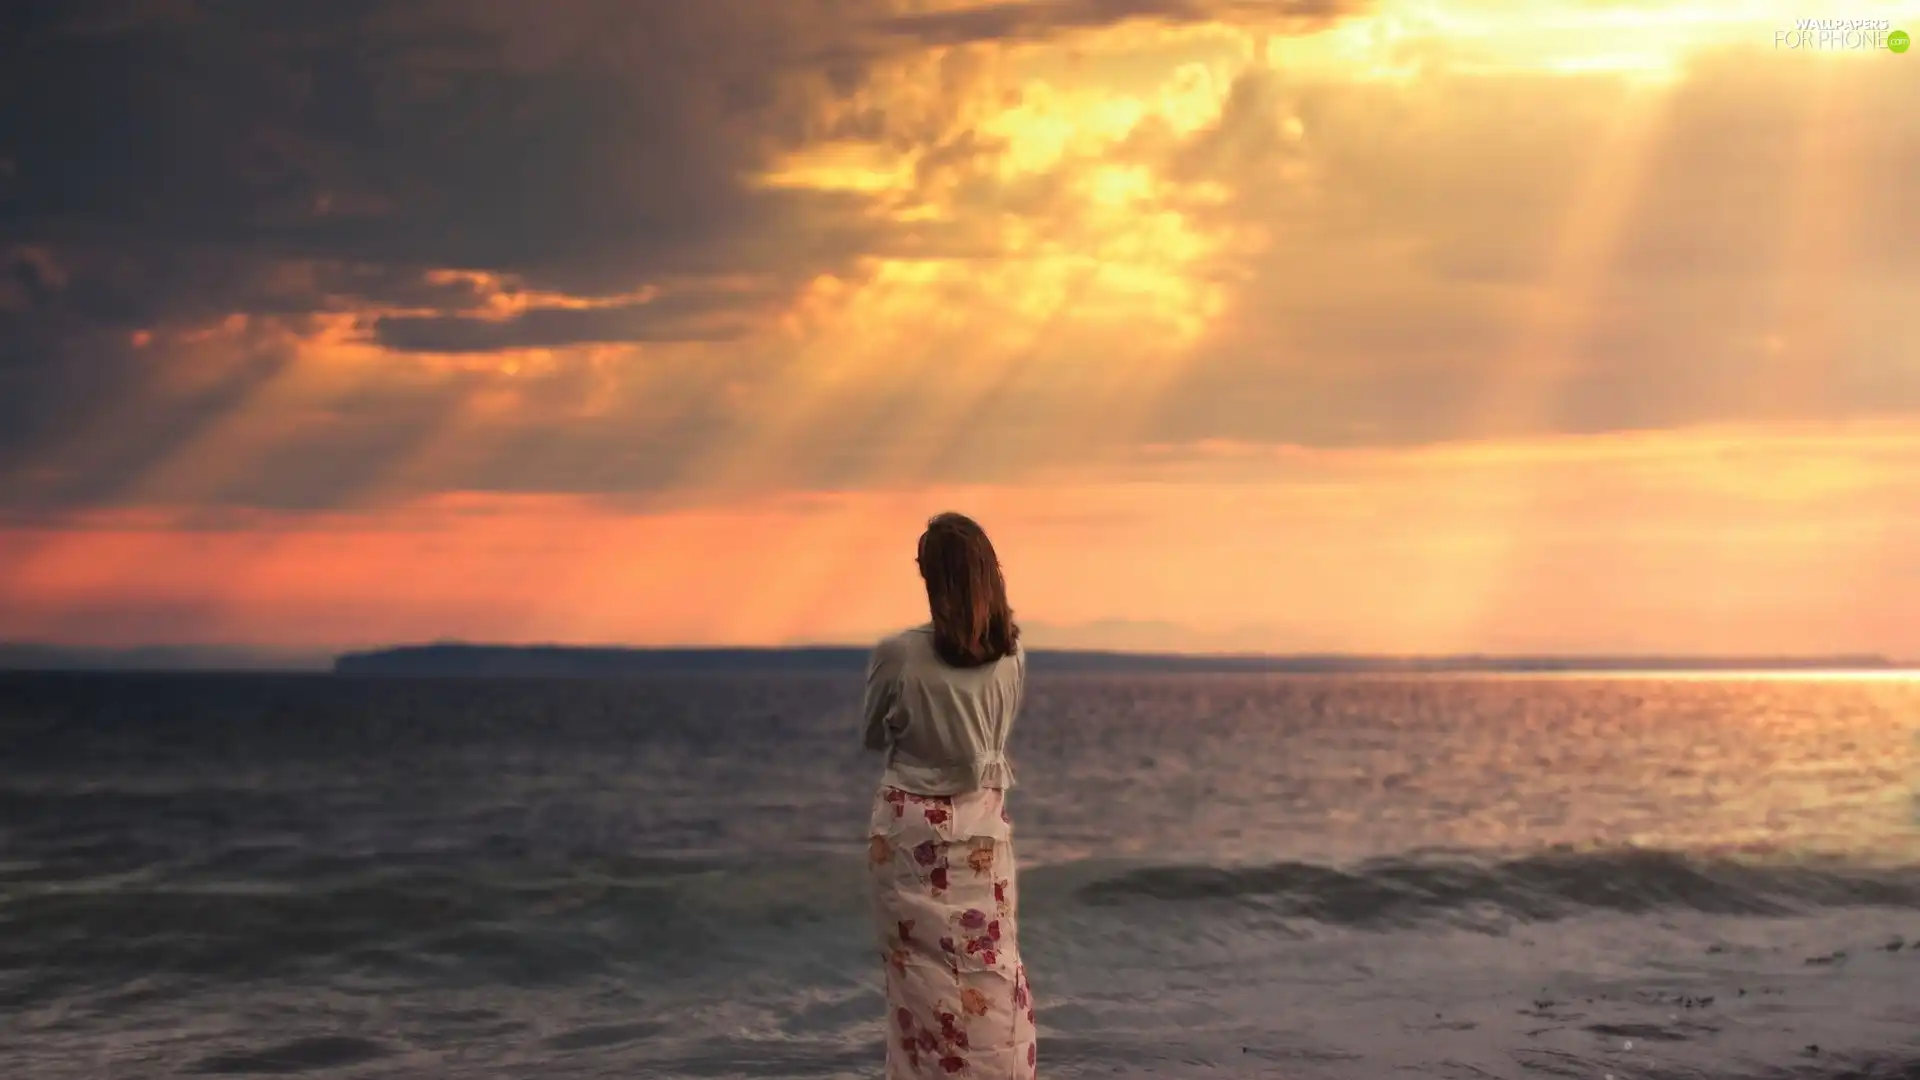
(531, 923)
(1392, 892)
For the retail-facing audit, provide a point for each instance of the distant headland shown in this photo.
(550, 661)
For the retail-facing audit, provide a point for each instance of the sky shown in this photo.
(1431, 326)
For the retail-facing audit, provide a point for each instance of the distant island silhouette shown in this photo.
(590, 662)
(451, 659)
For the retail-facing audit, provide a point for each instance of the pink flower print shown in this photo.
(937, 815)
(973, 919)
(993, 930)
(953, 1063)
(927, 853)
(1021, 997)
(927, 1042)
(981, 859)
(1000, 893)
(946, 944)
(989, 957)
(1033, 1054)
(938, 879)
(898, 800)
(973, 1002)
(904, 1018)
(950, 1032)
(906, 930)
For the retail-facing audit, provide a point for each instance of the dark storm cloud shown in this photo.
(396, 135)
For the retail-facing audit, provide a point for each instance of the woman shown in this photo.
(940, 701)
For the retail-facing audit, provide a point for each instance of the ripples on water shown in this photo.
(1297, 876)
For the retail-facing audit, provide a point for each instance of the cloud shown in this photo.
(477, 136)
(585, 145)
(169, 166)
(1029, 20)
(165, 166)
(308, 255)
(714, 315)
(1461, 254)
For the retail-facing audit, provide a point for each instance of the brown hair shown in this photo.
(966, 593)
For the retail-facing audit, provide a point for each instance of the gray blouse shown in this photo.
(944, 729)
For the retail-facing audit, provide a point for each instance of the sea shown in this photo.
(1223, 875)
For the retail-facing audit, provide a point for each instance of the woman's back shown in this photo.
(944, 728)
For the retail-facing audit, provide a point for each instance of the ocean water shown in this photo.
(1222, 876)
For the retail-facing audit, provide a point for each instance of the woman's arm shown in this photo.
(883, 693)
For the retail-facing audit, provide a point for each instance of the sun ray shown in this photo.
(191, 477)
(1813, 342)
(1041, 266)
(1540, 361)
(946, 436)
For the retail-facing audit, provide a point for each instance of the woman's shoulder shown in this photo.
(905, 643)
(912, 635)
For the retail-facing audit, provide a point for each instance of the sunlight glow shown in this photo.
(838, 566)
(1020, 266)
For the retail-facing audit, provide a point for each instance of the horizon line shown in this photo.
(180, 657)
(1254, 654)
(865, 646)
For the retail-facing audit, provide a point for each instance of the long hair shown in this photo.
(972, 624)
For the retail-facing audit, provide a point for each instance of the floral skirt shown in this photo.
(944, 906)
